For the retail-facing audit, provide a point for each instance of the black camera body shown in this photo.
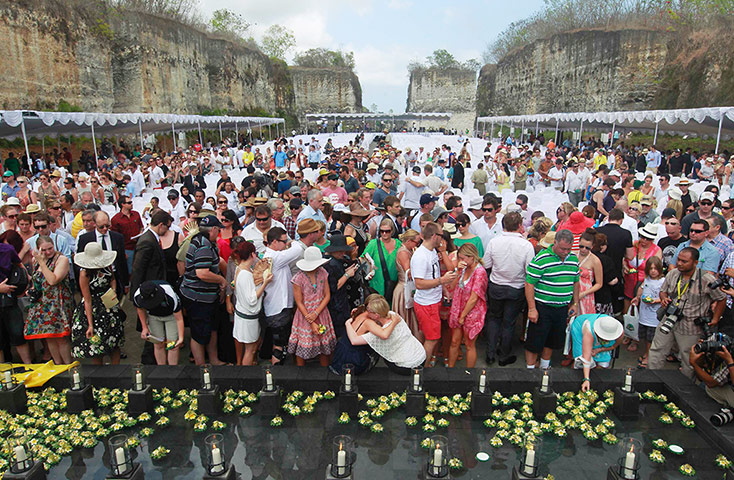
(714, 343)
(704, 322)
(671, 315)
(718, 283)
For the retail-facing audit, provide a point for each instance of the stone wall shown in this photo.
(453, 91)
(101, 60)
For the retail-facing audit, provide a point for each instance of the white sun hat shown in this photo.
(312, 259)
(607, 328)
(93, 257)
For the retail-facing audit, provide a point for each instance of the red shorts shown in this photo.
(428, 320)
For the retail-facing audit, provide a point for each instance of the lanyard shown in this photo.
(680, 294)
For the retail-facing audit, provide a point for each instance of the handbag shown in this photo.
(109, 299)
(389, 283)
(408, 289)
(632, 323)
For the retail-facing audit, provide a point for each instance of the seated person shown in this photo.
(387, 334)
(594, 336)
(715, 371)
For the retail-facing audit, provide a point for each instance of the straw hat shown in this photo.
(13, 201)
(674, 193)
(312, 259)
(548, 240)
(371, 166)
(33, 208)
(256, 201)
(649, 231)
(683, 181)
(359, 212)
(306, 226)
(607, 328)
(93, 257)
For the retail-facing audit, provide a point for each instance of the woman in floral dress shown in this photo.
(97, 329)
(312, 334)
(49, 314)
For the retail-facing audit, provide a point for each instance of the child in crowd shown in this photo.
(648, 300)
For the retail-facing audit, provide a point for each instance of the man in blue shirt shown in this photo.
(10, 189)
(314, 157)
(280, 158)
(709, 257)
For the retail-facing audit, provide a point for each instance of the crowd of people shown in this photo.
(363, 252)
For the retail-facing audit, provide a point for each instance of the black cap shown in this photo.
(210, 221)
(668, 213)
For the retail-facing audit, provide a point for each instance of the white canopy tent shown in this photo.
(713, 122)
(420, 116)
(29, 123)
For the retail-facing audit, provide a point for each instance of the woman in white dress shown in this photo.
(246, 310)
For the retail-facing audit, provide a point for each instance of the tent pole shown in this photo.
(655, 138)
(270, 135)
(522, 131)
(201, 140)
(718, 135)
(611, 138)
(236, 134)
(277, 130)
(25, 142)
(555, 137)
(140, 128)
(221, 140)
(536, 129)
(581, 131)
(173, 135)
(502, 123)
(94, 145)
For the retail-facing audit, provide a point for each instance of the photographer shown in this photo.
(687, 301)
(714, 369)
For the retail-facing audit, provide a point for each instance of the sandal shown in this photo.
(642, 365)
(432, 363)
(672, 358)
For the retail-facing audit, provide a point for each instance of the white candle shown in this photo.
(77, 381)
(138, 381)
(341, 461)
(348, 382)
(207, 381)
(8, 379)
(544, 384)
(120, 460)
(217, 464)
(629, 464)
(437, 459)
(268, 381)
(628, 382)
(20, 455)
(416, 381)
(529, 461)
(482, 382)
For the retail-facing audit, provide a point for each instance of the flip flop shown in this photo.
(432, 363)
(672, 359)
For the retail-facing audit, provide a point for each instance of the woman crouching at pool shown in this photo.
(386, 332)
(594, 337)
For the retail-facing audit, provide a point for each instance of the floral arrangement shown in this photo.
(159, 453)
(657, 456)
(722, 462)
(687, 470)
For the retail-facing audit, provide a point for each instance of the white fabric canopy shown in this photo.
(372, 116)
(38, 123)
(699, 121)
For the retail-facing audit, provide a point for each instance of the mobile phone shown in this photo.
(154, 340)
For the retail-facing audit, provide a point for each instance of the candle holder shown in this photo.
(438, 458)
(481, 397)
(628, 461)
(121, 462)
(544, 399)
(13, 397)
(209, 399)
(270, 399)
(626, 400)
(216, 460)
(140, 396)
(416, 380)
(529, 466)
(342, 458)
(80, 396)
(206, 377)
(20, 461)
(415, 403)
(348, 392)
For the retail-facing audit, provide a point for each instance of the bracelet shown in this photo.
(730, 365)
(586, 380)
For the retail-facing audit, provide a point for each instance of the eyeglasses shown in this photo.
(222, 202)
(459, 206)
(696, 231)
(192, 211)
(385, 231)
(488, 209)
(584, 247)
(262, 219)
(54, 208)
(107, 225)
(21, 182)
(706, 203)
(634, 209)
(671, 223)
(726, 208)
(39, 227)
(387, 180)
(11, 216)
(227, 220)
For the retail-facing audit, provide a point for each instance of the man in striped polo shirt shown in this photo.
(552, 292)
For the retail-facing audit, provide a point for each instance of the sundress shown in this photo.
(49, 316)
(586, 281)
(474, 320)
(107, 323)
(303, 342)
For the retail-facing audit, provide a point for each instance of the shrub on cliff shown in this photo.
(442, 59)
(324, 58)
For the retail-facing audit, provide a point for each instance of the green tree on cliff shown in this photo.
(324, 58)
(225, 20)
(442, 59)
(277, 41)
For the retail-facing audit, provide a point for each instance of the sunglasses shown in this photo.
(671, 223)
(222, 202)
(459, 206)
(264, 219)
(707, 203)
(54, 208)
(385, 231)
(192, 211)
(11, 216)
(488, 209)
(584, 247)
(460, 224)
(45, 225)
(696, 231)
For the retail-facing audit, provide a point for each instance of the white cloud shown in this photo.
(399, 4)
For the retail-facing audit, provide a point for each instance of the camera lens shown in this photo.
(723, 417)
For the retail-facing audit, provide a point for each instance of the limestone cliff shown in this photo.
(319, 90)
(104, 60)
(450, 90)
(603, 70)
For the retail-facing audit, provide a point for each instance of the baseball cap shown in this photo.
(668, 213)
(416, 169)
(646, 200)
(172, 194)
(427, 198)
(8, 173)
(708, 196)
(294, 191)
(210, 221)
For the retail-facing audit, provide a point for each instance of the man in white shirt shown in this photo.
(507, 257)
(555, 175)
(216, 160)
(661, 193)
(414, 187)
(576, 179)
(278, 301)
(177, 210)
(156, 175)
(489, 226)
(428, 202)
(410, 158)
(256, 231)
(434, 184)
(426, 271)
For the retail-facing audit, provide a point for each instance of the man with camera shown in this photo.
(688, 302)
(714, 366)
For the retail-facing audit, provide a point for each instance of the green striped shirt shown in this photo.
(553, 278)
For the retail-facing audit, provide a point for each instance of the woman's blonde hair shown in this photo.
(376, 303)
(676, 205)
(469, 250)
(540, 227)
(389, 223)
(409, 234)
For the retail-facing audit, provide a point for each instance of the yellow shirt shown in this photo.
(248, 157)
(599, 161)
(77, 224)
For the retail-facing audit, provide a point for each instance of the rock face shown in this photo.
(453, 91)
(600, 70)
(319, 90)
(110, 61)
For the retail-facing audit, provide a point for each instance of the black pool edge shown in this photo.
(691, 398)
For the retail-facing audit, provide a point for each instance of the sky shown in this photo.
(385, 36)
